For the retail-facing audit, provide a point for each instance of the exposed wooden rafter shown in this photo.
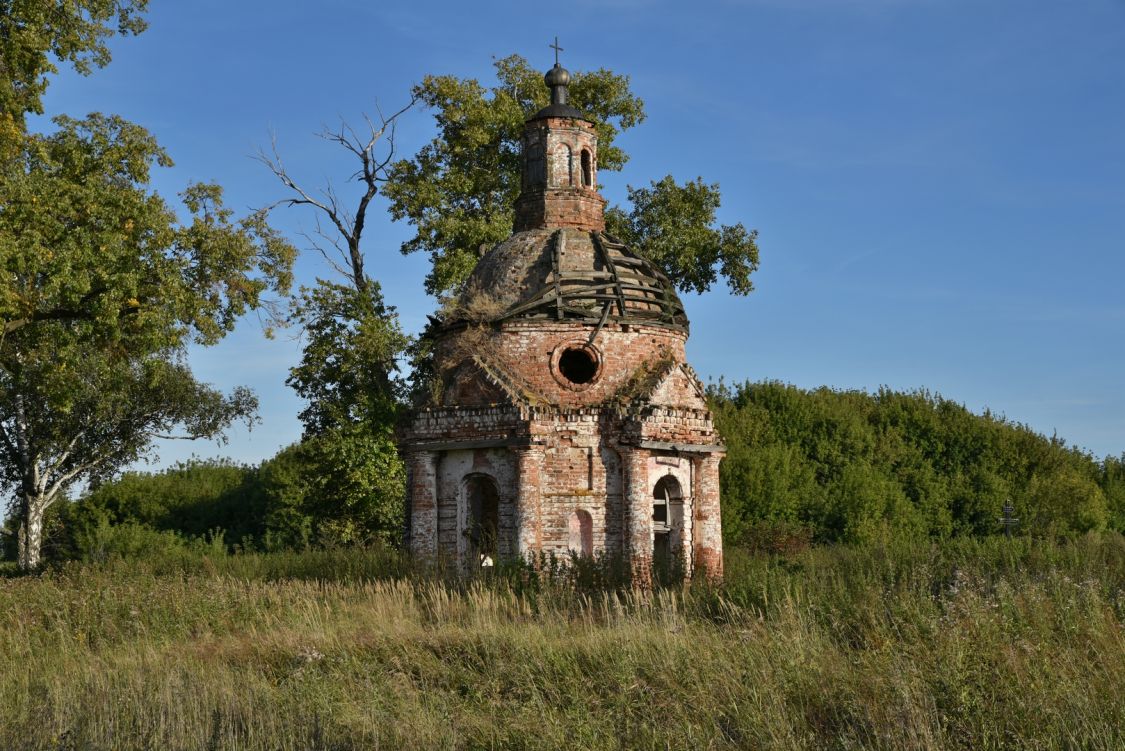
(626, 289)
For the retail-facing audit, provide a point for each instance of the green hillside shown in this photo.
(851, 466)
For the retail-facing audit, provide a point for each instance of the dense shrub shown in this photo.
(192, 499)
(852, 466)
(341, 487)
(132, 541)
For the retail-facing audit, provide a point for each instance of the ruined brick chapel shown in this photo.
(565, 418)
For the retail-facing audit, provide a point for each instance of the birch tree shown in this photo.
(68, 414)
(112, 287)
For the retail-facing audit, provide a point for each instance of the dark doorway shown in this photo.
(484, 520)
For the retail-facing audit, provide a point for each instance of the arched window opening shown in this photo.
(484, 520)
(587, 169)
(664, 495)
(667, 516)
(535, 172)
(582, 533)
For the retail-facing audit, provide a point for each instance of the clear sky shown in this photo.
(939, 184)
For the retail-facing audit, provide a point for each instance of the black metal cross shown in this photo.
(1008, 520)
(557, 49)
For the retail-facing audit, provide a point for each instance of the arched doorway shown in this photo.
(667, 519)
(482, 527)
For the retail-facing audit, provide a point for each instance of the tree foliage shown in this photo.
(192, 499)
(344, 486)
(84, 241)
(103, 287)
(674, 225)
(852, 466)
(347, 371)
(34, 34)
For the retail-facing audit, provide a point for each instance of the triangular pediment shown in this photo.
(679, 388)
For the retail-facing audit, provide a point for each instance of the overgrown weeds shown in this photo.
(971, 644)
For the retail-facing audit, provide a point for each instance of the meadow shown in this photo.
(964, 644)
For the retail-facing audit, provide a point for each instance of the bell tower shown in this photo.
(559, 186)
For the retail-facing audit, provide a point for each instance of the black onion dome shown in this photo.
(557, 76)
(568, 275)
(558, 79)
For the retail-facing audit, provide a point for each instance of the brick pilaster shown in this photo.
(638, 516)
(529, 470)
(423, 503)
(708, 529)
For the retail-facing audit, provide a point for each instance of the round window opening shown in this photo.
(577, 365)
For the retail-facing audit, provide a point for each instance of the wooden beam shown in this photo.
(597, 238)
(485, 443)
(681, 448)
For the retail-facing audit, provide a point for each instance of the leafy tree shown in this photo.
(67, 413)
(460, 189)
(674, 226)
(83, 242)
(1065, 501)
(1112, 482)
(103, 289)
(343, 486)
(852, 466)
(36, 33)
(347, 372)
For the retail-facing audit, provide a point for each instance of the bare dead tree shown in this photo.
(338, 228)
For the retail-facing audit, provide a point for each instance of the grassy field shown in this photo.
(965, 645)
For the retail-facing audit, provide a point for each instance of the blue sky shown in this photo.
(939, 184)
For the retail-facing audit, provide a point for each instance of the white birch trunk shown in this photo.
(31, 534)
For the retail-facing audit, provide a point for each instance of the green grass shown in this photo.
(970, 644)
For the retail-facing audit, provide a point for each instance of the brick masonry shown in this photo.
(559, 181)
(566, 460)
(562, 455)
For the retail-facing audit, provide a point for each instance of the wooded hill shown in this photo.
(850, 466)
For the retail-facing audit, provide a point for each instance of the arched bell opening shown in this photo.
(587, 169)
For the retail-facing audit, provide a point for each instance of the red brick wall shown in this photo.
(529, 350)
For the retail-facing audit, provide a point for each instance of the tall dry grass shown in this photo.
(966, 645)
